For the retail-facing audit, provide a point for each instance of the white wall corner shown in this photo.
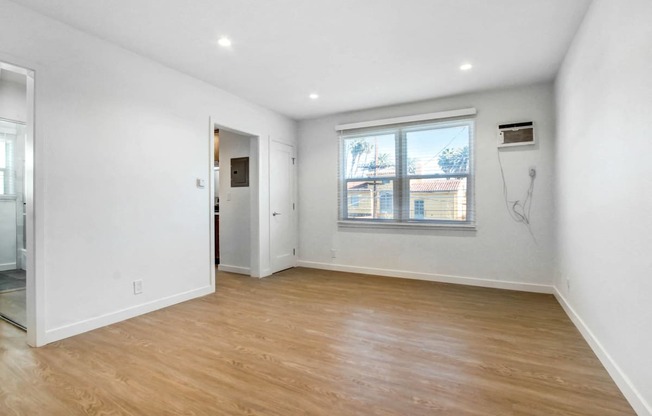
(636, 400)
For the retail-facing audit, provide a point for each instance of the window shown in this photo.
(6, 163)
(419, 209)
(420, 173)
(354, 201)
(386, 203)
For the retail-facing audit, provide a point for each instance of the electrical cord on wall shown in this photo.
(519, 211)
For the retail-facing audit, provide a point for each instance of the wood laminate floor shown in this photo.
(311, 342)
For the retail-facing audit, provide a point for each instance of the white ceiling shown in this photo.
(354, 53)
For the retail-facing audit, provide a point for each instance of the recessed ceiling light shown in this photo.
(224, 41)
(466, 67)
(313, 96)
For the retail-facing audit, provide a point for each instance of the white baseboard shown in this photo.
(7, 266)
(636, 400)
(234, 269)
(469, 281)
(77, 328)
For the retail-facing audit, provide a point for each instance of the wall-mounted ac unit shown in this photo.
(516, 134)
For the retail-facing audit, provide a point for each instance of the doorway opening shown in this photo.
(235, 201)
(256, 187)
(216, 194)
(15, 191)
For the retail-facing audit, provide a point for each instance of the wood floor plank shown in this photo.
(312, 342)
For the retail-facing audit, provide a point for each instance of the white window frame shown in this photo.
(401, 179)
(8, 169)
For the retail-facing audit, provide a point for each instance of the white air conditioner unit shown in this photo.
(516, 134)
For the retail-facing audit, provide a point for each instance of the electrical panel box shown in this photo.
(516, 134)
(239, 172)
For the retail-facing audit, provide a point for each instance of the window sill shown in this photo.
(405, 225)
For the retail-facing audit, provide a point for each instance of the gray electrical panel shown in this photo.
(239, 172)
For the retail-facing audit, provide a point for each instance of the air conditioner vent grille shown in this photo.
(516, 134)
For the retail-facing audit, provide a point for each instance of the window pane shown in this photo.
(370, 156)
(372, 199)
(438, 199)
(438, 150)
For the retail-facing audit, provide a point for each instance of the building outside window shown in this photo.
(418, 173)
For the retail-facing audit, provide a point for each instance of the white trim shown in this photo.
(408, 119)
(22, 123)
(34, 181)
(35, 187)
(235, 269)
(14, 68)
(636, 400)
(406, 225)
(121, 315)
(432, 277)
(211, 201)
(7, 266)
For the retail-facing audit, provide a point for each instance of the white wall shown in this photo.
(13, 100)
(500, 251)
(604, 108)
(120, 141)
(235, 206)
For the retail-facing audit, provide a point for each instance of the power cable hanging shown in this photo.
(519, 211)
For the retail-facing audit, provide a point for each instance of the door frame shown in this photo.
(35, 280)
(259, 252)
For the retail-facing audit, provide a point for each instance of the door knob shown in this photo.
(276, 213)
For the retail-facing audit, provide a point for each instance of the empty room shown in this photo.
(285, 207)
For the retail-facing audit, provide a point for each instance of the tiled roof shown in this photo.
(434, 186)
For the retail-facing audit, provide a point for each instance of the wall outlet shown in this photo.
(138, 287)
(333, 253)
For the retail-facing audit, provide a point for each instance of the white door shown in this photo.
(282, 206)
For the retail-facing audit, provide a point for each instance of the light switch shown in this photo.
(201, 183)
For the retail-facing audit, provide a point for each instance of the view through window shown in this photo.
(419, 173)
